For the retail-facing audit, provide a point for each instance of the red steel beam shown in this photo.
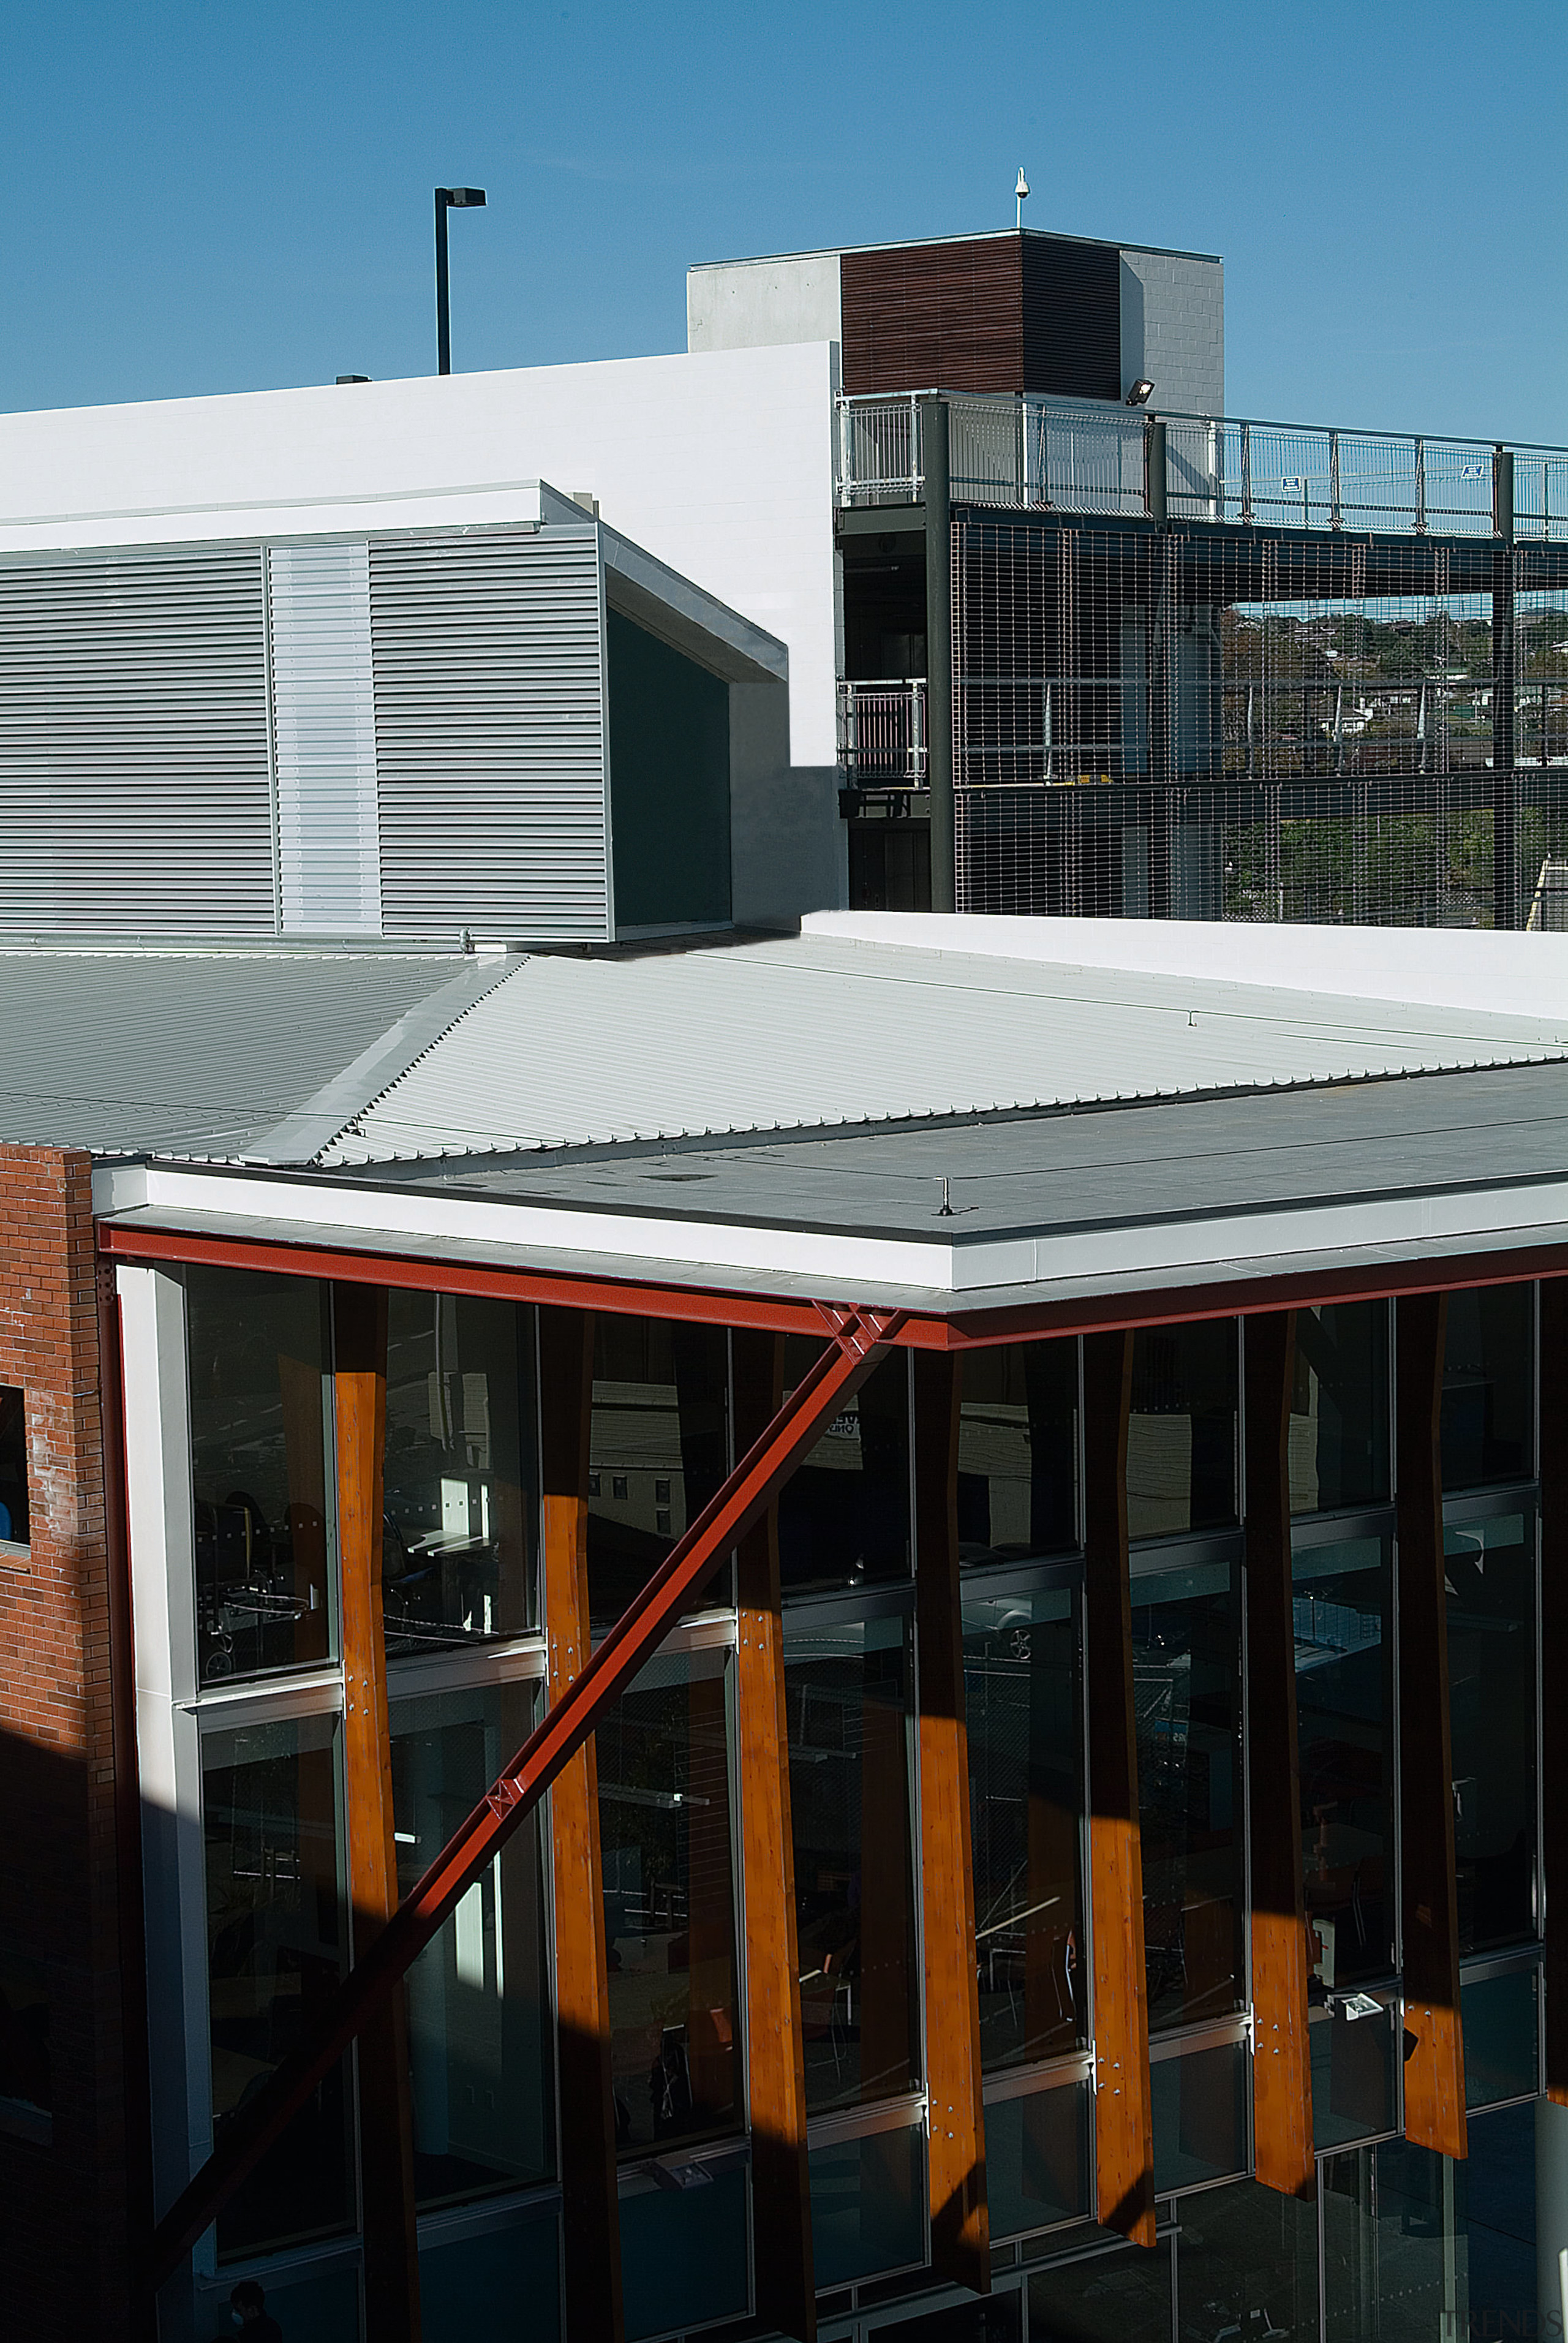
(856, 1340)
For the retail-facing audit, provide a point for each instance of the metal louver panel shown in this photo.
(135, 786)
(490, 731)
(324, 727)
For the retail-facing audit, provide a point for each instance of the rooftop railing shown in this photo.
(1039, 453)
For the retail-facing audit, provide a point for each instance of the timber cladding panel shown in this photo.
(61, 2179)
(1002, 313)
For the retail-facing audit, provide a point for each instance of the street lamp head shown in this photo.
(461, 199)
(1141, 392)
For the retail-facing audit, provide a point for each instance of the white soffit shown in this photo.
(822, 1030)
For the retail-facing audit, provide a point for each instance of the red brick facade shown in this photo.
(63, 2267)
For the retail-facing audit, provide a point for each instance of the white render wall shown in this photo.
(719, 463)
(743, 304)
(1173, 330)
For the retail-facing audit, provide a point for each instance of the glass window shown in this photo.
(1489, 1386)
(261, 1434)
(276, 1953)
(848, 1693)
(1490, 1572)
(1352, 2052)
(317, 2302)
(1026, 1806)
(1199, 2101)
(1037, 2159)
(669, 1904)
(1181, 1431)
(1500, 2020)
(993, 2319)
(457, 1562)
(1017, 1451)
(1122, 2296)
(1393, 2246)
(1187, 1698)
(1339, 1449)
(500, 2282)
(659, 1449)
(479, 2045)
(26, 2092)
(868, 2205)
(683, 2252)
(844, 1513)
(1247, 2266)
(1342, 1597)
(14, 1528)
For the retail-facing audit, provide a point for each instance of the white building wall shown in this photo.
(747, 305)
(719, 463)
(1173, 330)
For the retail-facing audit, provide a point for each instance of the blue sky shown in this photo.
(223, 197)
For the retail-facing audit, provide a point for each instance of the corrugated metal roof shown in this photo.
(816, 1031)
(214, 1053)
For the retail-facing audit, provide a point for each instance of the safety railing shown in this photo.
(882, 733)
(1033, 452)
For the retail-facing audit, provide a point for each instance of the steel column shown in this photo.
(1505, 874)
(1553, 1644)
(939, 654)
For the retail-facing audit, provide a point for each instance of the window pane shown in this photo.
(13, 1466)
(1393, 2246)
(261, 1433)
(1489, 1386)
(1500, 2058)
(479, 2045)
(844, 1515)
(868, 2205)
(502, 2283)
(1199, 2108)
(1037, 2160)
(1026, 1802)
(1352, 2073)
(1187, 1695)
(1247, 2266)
(1339, 1450)
(669, 1904)
(1115, 2297)
(1182, 1435)
(1342, 1606)
(458, 1564)
(1490, 1572)
(276, 1952)
(683, 2252)
(1017, 1451)
(849, 1695)
(659, 1449)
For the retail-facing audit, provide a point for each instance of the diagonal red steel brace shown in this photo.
(858, 1338)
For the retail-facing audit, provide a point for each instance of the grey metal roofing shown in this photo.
(821, 1031)
(214, 1053)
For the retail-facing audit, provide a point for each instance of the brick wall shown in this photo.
(62, 2197)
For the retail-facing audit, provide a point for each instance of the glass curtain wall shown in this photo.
(1489, 1386)
(261, 1438)
(844, 1513)
(1181, 1431)
(1490, 1569)
(1342, 1602)
(1018, 1453)
(458, 1560)
(1339, 1432)
(659, 1449)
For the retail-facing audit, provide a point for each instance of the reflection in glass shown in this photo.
(1037, 2159)
(13, 1527)
(1187, 1698)
(1489, 1386)
(261, 1433)
(471, 2287)
(1198, 2102)
(1343, 1599)
(868, 2205)
(1499, 2016)
(669, 1904)
(844, 1515)
(1026, 1774)
(1490, 1572)
(1247, 2266)
(479, 2019)
(1181, 1431)
(1339, 1449)
(1352, 2056)
(1017, 1451)
(275, 1951)
(683, 2254)
(1396, 2252)
(659, 1449)
(848, 1693)
(1122, 2296)
(457, 1555)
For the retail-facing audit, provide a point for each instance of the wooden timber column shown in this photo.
(590, 2214)
(386, 2114)
(775, 2049)
(1433, 2040)
(1124, 2112)
(960, 2228)
(1282, 2060)
(1553, 1643)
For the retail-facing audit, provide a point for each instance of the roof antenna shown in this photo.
(1021, 191)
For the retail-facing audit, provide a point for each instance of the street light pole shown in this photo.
(447, 199)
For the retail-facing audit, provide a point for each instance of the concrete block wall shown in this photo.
(62, 2270)
(1173, 330)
